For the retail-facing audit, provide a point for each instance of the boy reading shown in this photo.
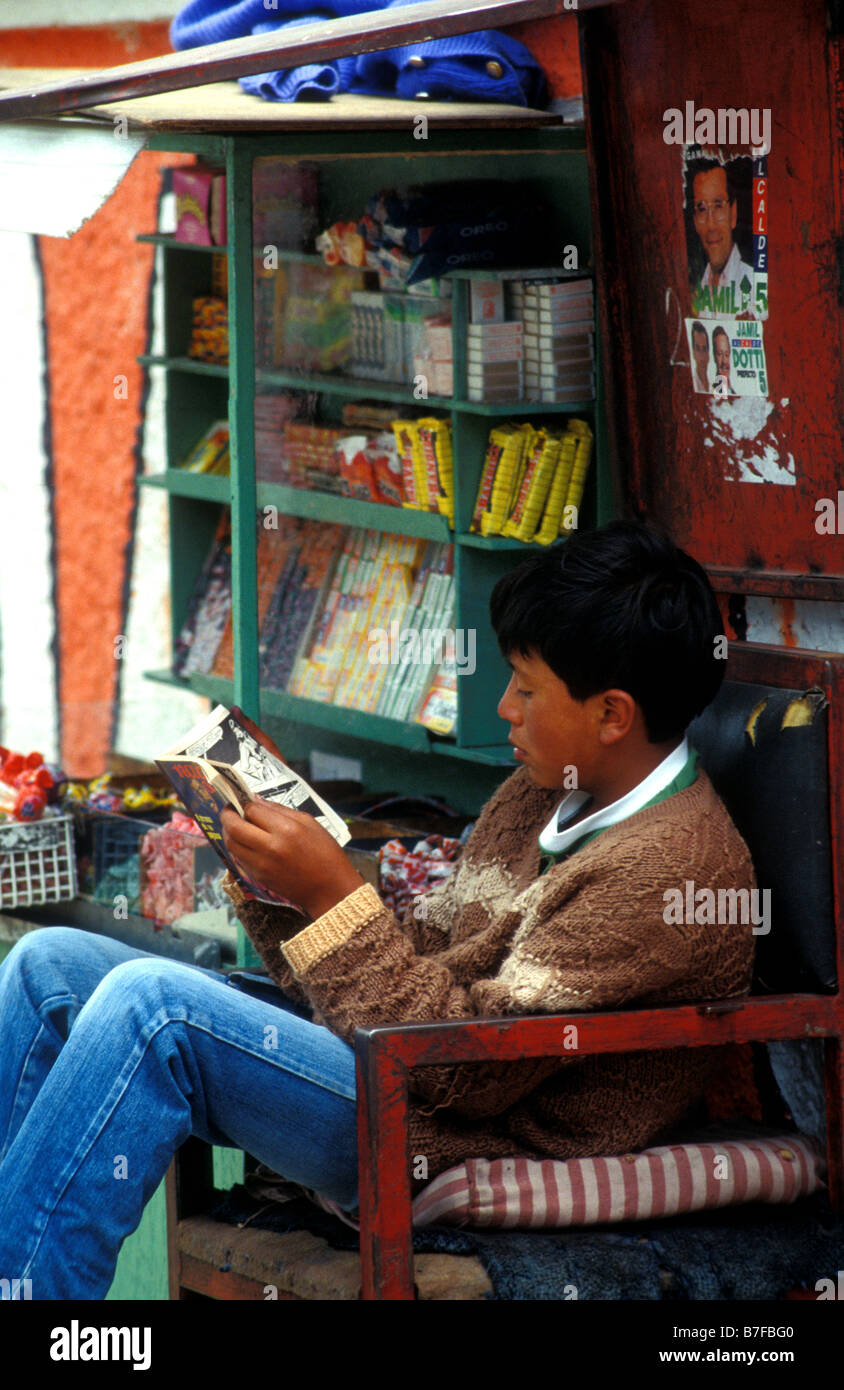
(557, 904)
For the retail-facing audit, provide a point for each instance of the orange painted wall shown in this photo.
(95, 291)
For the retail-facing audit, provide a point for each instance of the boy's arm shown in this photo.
(267, 926)
(598, 940)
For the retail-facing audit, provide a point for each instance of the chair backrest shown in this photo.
(765, 746)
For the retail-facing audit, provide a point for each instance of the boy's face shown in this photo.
(550, 730)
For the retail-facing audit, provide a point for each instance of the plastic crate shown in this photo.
(116, 839)
(37, 863)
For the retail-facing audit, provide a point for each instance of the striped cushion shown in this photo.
(657, 1182)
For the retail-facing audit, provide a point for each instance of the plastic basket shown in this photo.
(116, 839)
(37, 863)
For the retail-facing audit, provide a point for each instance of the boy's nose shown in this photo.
(507, 708)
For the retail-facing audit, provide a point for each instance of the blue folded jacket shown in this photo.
(485, 66)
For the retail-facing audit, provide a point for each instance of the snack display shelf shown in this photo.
(337, 718)
(326, 506)
(197, 394)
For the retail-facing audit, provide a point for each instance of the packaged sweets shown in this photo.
(413, 465)
(356, 467)
(549, 527)
(386, 469)
(542, 456)
(503, 457)
(583, 454)
(435, 444)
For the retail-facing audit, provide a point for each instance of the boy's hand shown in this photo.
(290, 852)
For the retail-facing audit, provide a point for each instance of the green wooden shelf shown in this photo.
(476, 542)
(296, 709)
(372, 728)
(167, 240)
(208, 487)
(308, 503)
(523, 407)
(194, 365)
(492, 754)
(349, 511)
(356, 387)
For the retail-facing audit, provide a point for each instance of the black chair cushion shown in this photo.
(765, 750)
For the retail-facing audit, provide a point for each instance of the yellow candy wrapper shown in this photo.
(435, 446)
(412, 464)
(551, 517)
(577, 482)
(541, 458)
(504, 454)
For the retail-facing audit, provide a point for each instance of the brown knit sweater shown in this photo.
(497, 939)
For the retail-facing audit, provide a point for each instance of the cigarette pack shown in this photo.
(544, 340)
(546, 379)
(479, 356)
(562, 395)
(486, 300)
(510, 330)
(560, 290)
(200, 205)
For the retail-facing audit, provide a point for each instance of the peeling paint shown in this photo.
(817, 625)
(737, 423)
(750, 726)
(804, 709)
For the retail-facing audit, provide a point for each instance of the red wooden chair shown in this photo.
(772, 743)
(792, 824)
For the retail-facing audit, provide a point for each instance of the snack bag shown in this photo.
(435, 445)
(386, 469)
(413, 465)
(577, 482)
(550, 525)
(541, 458)
(356, 467)
(504, 453)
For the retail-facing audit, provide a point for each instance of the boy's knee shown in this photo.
(145, 985)
(48, 945)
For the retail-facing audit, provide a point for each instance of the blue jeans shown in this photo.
(110, 1058)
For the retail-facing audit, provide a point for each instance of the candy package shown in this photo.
(549, 527)
(541, 458)
(500, 473)
(356, 467)
(435, 444)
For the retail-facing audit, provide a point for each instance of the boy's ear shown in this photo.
(618, 715)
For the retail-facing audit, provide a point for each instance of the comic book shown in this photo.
(219, 764)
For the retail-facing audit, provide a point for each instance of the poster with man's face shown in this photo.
(725, 206)
(727, 357)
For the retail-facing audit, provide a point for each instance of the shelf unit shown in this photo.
(353, 165)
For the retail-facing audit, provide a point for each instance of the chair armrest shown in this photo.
(386, 1053)
(709, 1023)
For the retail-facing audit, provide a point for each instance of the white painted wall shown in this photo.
(45, 14)
(152, 717)
(28, 709)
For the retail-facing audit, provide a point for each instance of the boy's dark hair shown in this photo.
(621, 607)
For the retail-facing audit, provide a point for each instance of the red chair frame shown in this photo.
(385, 1055)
